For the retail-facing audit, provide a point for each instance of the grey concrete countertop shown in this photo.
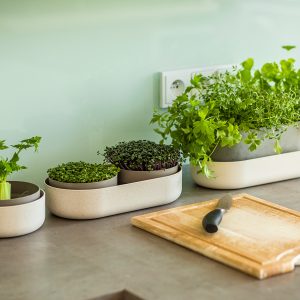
(69, 259)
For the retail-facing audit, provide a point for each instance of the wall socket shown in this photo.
(174, 83)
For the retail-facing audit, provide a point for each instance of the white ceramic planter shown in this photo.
(241, 174)
(97, 203)
(22, 219)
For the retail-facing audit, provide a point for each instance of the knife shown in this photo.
(211, 221)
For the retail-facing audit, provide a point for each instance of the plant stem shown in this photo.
(5, 190)
(215, 147)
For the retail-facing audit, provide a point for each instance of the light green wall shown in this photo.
(84, 74)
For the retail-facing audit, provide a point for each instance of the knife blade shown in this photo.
(212, 220)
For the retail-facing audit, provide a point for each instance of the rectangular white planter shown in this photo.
(102, 202)
(250, 172)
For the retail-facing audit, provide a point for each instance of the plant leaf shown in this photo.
(288, 47)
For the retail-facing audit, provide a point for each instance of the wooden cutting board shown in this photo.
(257, 237)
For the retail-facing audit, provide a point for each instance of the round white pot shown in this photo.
(23, 218)
(84, 186)
(129, 176)
(245, 173)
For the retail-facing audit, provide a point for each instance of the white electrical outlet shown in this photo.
(173, 83)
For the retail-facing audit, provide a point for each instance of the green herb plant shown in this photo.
(142, 155)
(82, 172)
(224, 109)
(9, 166)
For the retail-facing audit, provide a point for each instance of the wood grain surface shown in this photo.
(257, 237)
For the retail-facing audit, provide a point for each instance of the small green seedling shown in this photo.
(142, 155)
(82, 172)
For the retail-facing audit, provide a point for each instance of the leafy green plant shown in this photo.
(82, 172)
(142, 155)
(9, 166)
(224, 109)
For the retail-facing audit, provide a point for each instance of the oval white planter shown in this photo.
(241, 174)
(84, 186)
(22, 219)
(130, 176)
(97, 203)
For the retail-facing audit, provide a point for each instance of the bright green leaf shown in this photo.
(288, 47)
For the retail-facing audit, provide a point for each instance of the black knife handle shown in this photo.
(211, 221)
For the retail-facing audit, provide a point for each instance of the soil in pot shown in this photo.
(129, 176)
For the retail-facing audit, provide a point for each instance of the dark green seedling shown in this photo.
(9, 166)
(82, 172)
(142, 155)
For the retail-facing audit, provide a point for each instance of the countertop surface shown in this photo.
(68, 259)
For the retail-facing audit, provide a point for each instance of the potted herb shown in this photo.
(15, 189)
(71, 191)
(22, 204)
(235, 115)
(81, 175)
(142, 160)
